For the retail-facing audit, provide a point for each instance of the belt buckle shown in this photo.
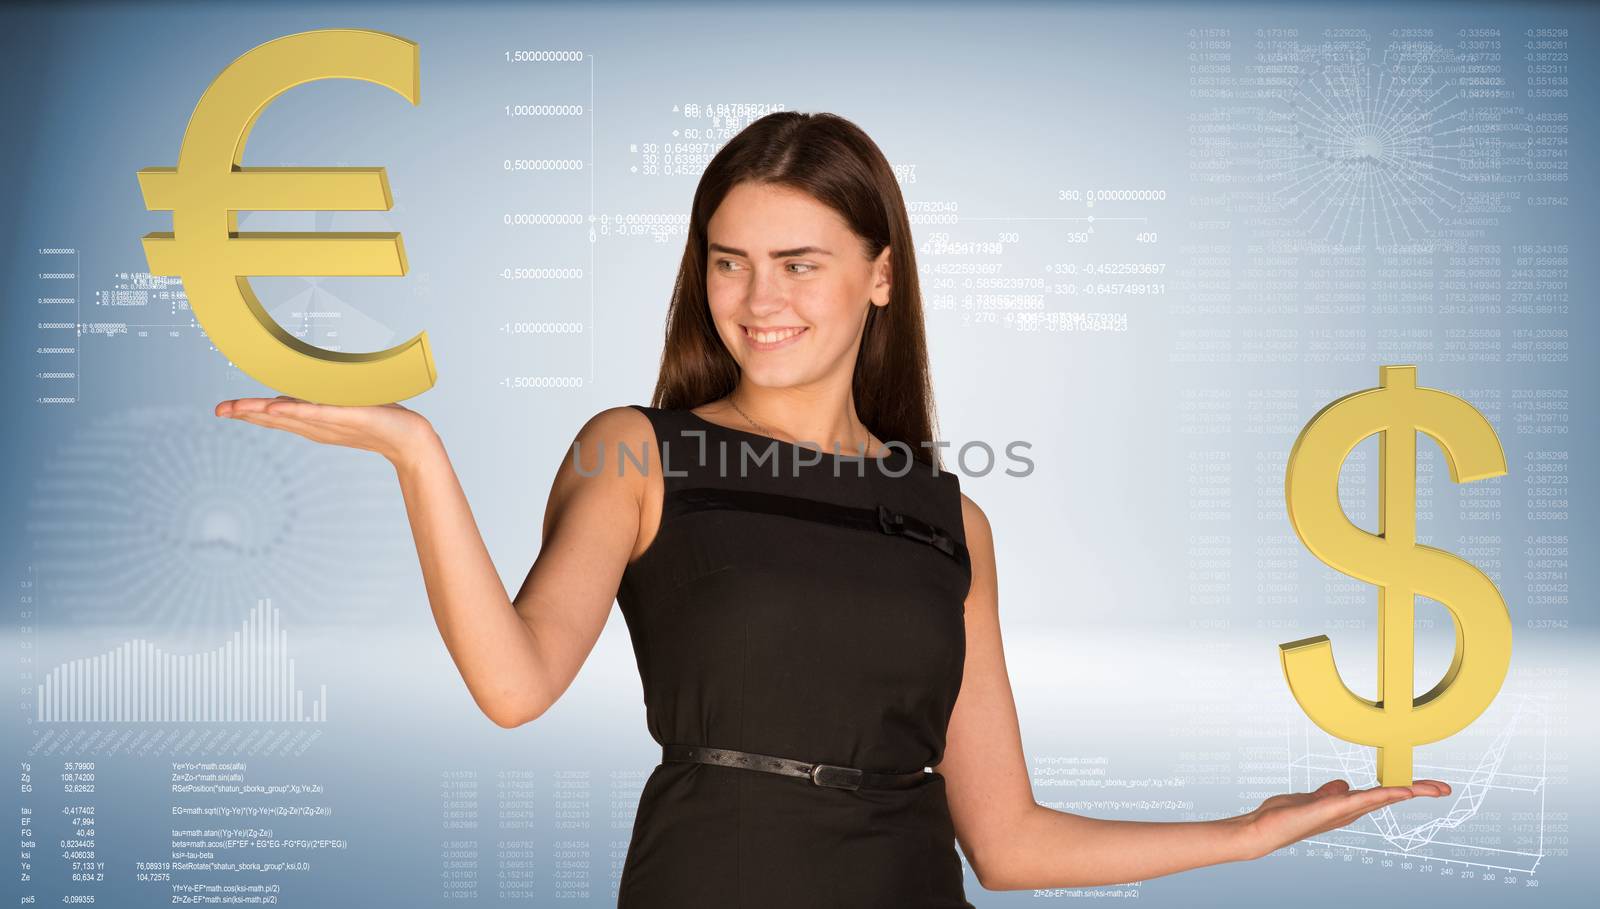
(837, 777)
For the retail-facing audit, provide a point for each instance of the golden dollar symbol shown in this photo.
(1402, 568)
(209, 186)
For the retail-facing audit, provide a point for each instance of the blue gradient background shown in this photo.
(1147, 571)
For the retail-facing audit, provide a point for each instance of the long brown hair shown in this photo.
(835, 162)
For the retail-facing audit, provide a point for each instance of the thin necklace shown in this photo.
(766, 431)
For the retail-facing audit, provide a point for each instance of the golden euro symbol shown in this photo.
(1400, 567)
(209, 186)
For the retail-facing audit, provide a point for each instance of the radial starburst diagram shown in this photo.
(174, 519)
(1369, 153)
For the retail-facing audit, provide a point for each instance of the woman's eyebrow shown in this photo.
(777, 253)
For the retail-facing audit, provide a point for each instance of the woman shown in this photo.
(818, 636)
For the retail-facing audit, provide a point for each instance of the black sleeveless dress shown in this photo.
(784, 609)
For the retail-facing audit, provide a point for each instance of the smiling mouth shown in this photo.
(771, 339)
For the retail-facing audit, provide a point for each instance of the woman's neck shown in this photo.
(827, 421)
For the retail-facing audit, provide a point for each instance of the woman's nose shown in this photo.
(766, 294)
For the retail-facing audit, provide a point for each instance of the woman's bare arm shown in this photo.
(1014, 843)
(592, 528)
(519, 656)
(516, 657)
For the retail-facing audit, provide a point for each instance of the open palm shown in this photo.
(388, 429)
(1290, 818)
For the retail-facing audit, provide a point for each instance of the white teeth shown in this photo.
(768, 337)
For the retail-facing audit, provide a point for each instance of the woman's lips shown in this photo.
(755, 344)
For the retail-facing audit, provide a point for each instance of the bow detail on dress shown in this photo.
(902, 524)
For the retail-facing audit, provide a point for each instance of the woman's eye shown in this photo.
(730, 265)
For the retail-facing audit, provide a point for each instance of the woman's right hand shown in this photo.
(391, 430)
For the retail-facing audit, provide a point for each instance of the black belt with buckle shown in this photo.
(831, 775)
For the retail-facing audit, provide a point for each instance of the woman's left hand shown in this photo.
(1285, 819)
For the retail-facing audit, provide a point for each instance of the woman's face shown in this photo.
(788, 285)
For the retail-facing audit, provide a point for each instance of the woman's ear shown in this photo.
(882, 278)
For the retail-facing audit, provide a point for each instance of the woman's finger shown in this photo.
(252, 405)
(298, 410)
(298, 427)
(242, 405)
(1341, 809)
(294, 409)
(1379, 796)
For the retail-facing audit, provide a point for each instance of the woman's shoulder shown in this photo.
(609, 432)
(619, 422)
